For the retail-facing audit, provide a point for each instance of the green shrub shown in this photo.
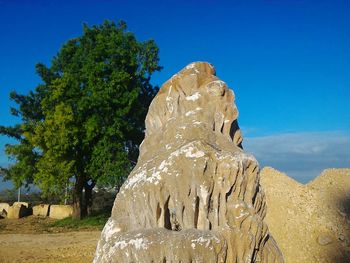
(90, 221)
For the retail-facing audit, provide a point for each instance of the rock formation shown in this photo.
(194, 195)
(311, 222)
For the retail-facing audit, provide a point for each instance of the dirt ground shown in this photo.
(32, 240)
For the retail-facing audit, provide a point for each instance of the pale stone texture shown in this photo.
(22, 203)
(19, 210)
(311, 222)
(60, 211)
(4, 207)
(41, 210)
(194, 195)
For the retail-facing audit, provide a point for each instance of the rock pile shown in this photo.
(311, 222)
(23, 209)
(194, 195)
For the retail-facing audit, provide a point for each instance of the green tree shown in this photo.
(84, 123)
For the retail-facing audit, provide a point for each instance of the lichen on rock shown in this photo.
(194, 195)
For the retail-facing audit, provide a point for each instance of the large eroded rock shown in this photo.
(194, 195)
(311, 222)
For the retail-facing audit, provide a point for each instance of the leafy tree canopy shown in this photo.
(84, 123)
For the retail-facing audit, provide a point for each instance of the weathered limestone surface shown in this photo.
(41, 210)
(311, 222)
(194, 195)
(19, 210)
(60, 211)
(22, 203)
(4, 207)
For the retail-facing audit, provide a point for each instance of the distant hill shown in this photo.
(311, 222)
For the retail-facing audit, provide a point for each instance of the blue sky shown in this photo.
(288, 63)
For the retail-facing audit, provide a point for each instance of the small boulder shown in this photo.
(4, 207)
(41, 210)
(18, 210)
(60, 211)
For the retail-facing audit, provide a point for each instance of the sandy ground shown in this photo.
(30, 240)
(61, 247)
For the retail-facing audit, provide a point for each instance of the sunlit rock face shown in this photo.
(311, 222)
(194, 195)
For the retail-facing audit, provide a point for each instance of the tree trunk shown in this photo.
(78, 208)
(82, 198)
(88, 198)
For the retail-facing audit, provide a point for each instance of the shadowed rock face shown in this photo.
(194, 195)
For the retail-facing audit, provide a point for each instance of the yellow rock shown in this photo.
(18, 210)
(41, 210)
(22, 203)
(60, 211)
(311, 223)
(4, 207)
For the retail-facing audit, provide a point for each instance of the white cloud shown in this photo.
(302, 156)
